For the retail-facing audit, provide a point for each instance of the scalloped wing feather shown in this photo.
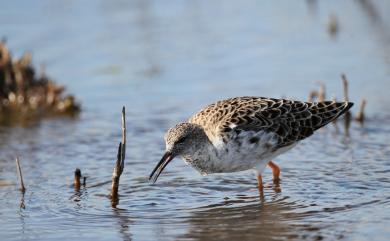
(291, 120)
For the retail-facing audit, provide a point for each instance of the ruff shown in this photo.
(244, 133)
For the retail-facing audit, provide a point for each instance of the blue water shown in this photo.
(166, 60)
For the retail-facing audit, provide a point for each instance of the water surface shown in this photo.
(166, 60)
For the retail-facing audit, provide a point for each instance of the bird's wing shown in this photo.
(290, 120)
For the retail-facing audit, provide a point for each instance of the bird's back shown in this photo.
(290, 120)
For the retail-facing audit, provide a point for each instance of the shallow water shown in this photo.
(164, 61)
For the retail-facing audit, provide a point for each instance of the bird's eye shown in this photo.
(181, 140)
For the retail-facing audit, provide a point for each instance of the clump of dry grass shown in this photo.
(24, 94)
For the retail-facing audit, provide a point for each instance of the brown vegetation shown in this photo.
(26, 95)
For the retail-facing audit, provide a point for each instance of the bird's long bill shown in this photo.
(160, 166)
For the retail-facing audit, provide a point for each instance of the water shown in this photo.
(166, 60)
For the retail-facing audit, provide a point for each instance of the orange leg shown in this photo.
(260, 186)
(275, 171)
(260, 183)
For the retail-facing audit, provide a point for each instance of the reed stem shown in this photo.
(361, 116)
(22, 187)
(76, 180)
(120, 163)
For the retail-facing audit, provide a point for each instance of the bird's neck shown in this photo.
(202, 145)
(202, 156)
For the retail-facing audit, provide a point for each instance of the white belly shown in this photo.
(247, 150)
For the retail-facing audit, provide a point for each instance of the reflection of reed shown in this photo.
(22, 205)
(22, 224)
(123, 224)
(22, 187)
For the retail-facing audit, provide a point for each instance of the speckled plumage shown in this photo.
(244, 133)
(290, 120)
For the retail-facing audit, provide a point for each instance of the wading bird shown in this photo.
(245, 133)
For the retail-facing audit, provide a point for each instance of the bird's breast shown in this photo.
(246, 149)
(233, 153)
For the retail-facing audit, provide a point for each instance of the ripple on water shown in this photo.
(318, 193)
(333, 186)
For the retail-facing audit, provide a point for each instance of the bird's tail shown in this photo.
(329, 111)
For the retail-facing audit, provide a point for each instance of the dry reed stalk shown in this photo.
(76, 180)
(360, 116)
(345, 85)
(120, 163)
(313, 95)
(322, 93)
(22, 187)
(347, 115)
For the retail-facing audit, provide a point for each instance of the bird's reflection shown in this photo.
(250, 220)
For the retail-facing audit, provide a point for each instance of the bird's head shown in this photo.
(182, 139)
